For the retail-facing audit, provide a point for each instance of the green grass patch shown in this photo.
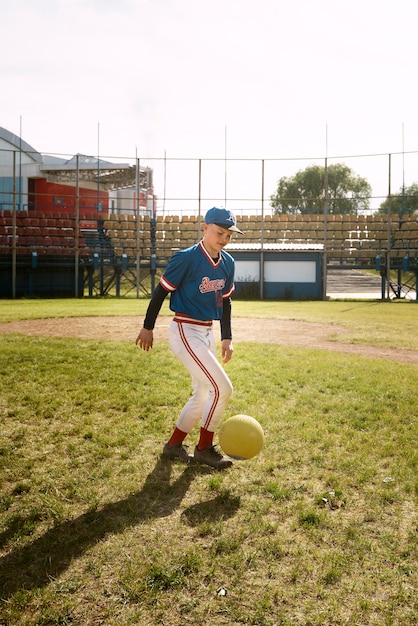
(95, 527)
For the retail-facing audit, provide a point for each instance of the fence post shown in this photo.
(14, 268)
(262, 234)
(77, 227)
(138, 223)
(324, 273)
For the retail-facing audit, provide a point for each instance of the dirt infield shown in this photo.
(283, 332)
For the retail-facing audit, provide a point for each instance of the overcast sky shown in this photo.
(254, 79)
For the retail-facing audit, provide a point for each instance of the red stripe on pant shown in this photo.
(206, 372)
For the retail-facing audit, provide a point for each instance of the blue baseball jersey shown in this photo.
(197, 283)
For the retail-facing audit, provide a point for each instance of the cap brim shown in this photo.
(233, 228)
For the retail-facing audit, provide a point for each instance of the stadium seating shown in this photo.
(44, 233)
(351, 240)
(124, 231)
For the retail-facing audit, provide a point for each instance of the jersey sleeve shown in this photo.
(175, 272)
(230, 286)
(230, 291)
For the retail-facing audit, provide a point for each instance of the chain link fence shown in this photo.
(74, 226)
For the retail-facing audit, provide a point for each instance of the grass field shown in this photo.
(319, 530)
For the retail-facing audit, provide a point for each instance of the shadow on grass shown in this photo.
(36, 564)
(221, 507)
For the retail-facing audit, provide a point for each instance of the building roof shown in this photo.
(274, 247)
(95, 170)
(88, 168)
(19, 144)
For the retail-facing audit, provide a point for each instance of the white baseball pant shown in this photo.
(194, 345)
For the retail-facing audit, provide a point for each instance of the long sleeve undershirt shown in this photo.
(156, 303)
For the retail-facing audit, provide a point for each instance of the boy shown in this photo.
(200, 281)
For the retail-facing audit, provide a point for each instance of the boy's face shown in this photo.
(215, 238)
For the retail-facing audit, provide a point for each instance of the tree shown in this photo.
(405, 201)
(305, 191)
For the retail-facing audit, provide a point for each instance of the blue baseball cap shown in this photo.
(223, 218)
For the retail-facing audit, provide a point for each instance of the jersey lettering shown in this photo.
(208, 285)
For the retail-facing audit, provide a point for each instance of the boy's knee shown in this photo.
(227, 390)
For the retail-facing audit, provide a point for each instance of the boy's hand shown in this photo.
(145, 339)
(227, 350)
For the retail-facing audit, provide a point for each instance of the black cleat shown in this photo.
(213, 457)
(177, 451)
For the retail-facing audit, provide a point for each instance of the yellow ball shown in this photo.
(241, 437)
